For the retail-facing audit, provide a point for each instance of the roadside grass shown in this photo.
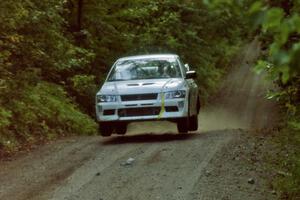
(287, 181)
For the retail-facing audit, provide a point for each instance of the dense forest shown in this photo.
(54, 55)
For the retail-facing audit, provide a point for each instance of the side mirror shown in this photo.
(190, 74)
(187, 67)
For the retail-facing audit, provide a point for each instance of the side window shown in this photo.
(184, 70)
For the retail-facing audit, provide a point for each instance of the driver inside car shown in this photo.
(164, 70)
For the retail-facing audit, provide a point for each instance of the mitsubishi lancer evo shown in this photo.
(148, 87)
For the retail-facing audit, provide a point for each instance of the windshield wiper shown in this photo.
(118, 80)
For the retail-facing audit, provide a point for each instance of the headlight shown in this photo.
(175, 94)
(106, 98)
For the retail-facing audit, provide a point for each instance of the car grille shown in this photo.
(138, 97)
(132, 112)
(108, 112)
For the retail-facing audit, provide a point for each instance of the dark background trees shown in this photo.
(55, 54)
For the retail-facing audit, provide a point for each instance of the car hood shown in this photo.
(142, 86)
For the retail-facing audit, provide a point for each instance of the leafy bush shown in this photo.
(44, 111)
(279, 23)
(84, 88)
(50, 108)
(37, 57)
(5, 118)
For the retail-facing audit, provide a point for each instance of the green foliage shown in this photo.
(5, 118)
(279, 23)
(273, 19)
(289, 139)
(283, 31)
(34, 48)
(280, 33)
(84, 89)
(44, 110)
(295, 125)
(51, 109)
(84, 84)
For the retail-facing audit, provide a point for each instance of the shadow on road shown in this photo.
(167, 137)
(149, 138)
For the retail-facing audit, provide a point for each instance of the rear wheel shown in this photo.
(121, 128)
(193, 123)
(105, 129)
(183, 125)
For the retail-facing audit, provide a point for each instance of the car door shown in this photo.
(193, 91)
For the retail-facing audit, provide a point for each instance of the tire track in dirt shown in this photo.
(162, 169)
(90, 169)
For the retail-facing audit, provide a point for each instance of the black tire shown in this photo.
(183, 125)
(121, 128)
(198, 105)
(193, 123)
(105, 129)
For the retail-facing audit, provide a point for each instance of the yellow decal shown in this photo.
(162, 110)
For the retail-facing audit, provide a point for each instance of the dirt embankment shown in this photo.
(220, 161)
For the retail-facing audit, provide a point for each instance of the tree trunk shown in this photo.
(79, 15)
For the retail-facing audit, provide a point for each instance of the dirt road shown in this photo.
(212, 163)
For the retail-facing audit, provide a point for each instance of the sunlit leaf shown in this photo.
(282, 58)
(274, 49)
(277, 95)
(261, 66)
(285, 73)
(256, 7)
(284, 31)
(273, 19)
(295, 124)
(295, 23)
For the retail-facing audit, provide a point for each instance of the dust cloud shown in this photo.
(240, 104)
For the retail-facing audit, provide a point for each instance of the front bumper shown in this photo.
(142, 110)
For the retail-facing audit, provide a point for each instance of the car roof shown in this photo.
(148, 56)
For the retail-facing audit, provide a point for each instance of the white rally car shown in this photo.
(148, 87)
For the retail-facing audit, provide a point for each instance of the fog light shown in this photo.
(180, 104)
(171, 109)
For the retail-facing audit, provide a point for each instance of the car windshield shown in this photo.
(136, 69)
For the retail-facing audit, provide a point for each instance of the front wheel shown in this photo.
(198, 104)
(193, 123)
(183, 125)
(121, 128)
(105, 129)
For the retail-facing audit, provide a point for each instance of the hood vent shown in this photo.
(147, 83)
(133, 84)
